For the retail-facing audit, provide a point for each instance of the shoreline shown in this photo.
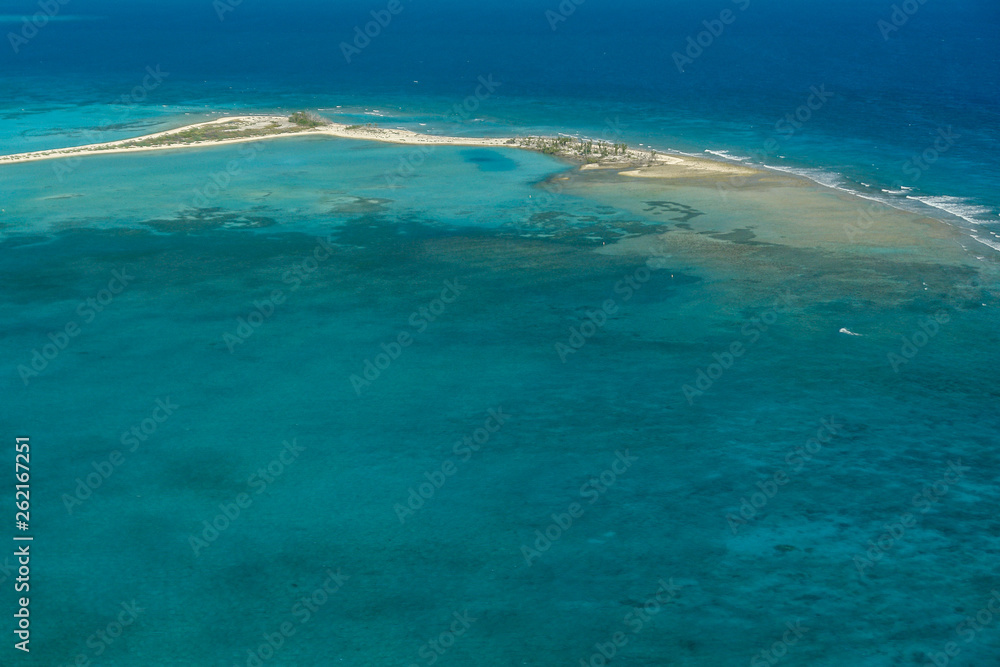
(587, 155)
(265, 127)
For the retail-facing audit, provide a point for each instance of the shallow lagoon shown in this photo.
(682, 292)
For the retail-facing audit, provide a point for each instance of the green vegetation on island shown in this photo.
(243, 128)
(214, 132)
(307, 119)
(234, 129)
(588, 150)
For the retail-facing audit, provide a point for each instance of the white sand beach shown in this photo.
(644, 164)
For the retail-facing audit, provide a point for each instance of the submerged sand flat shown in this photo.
(714, 204)
(764, 263)
(711, 200)
(675, 166)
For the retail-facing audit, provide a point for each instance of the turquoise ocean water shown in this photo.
(361, 404)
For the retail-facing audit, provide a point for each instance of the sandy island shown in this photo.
(588, 153)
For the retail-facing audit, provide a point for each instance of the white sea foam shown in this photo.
(977, 215)
(726, 155)
(991, 243)
(898, 199)
(961, 208)
(830, 179)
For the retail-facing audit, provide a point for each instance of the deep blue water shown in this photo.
(603, 64)
(752, 438)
